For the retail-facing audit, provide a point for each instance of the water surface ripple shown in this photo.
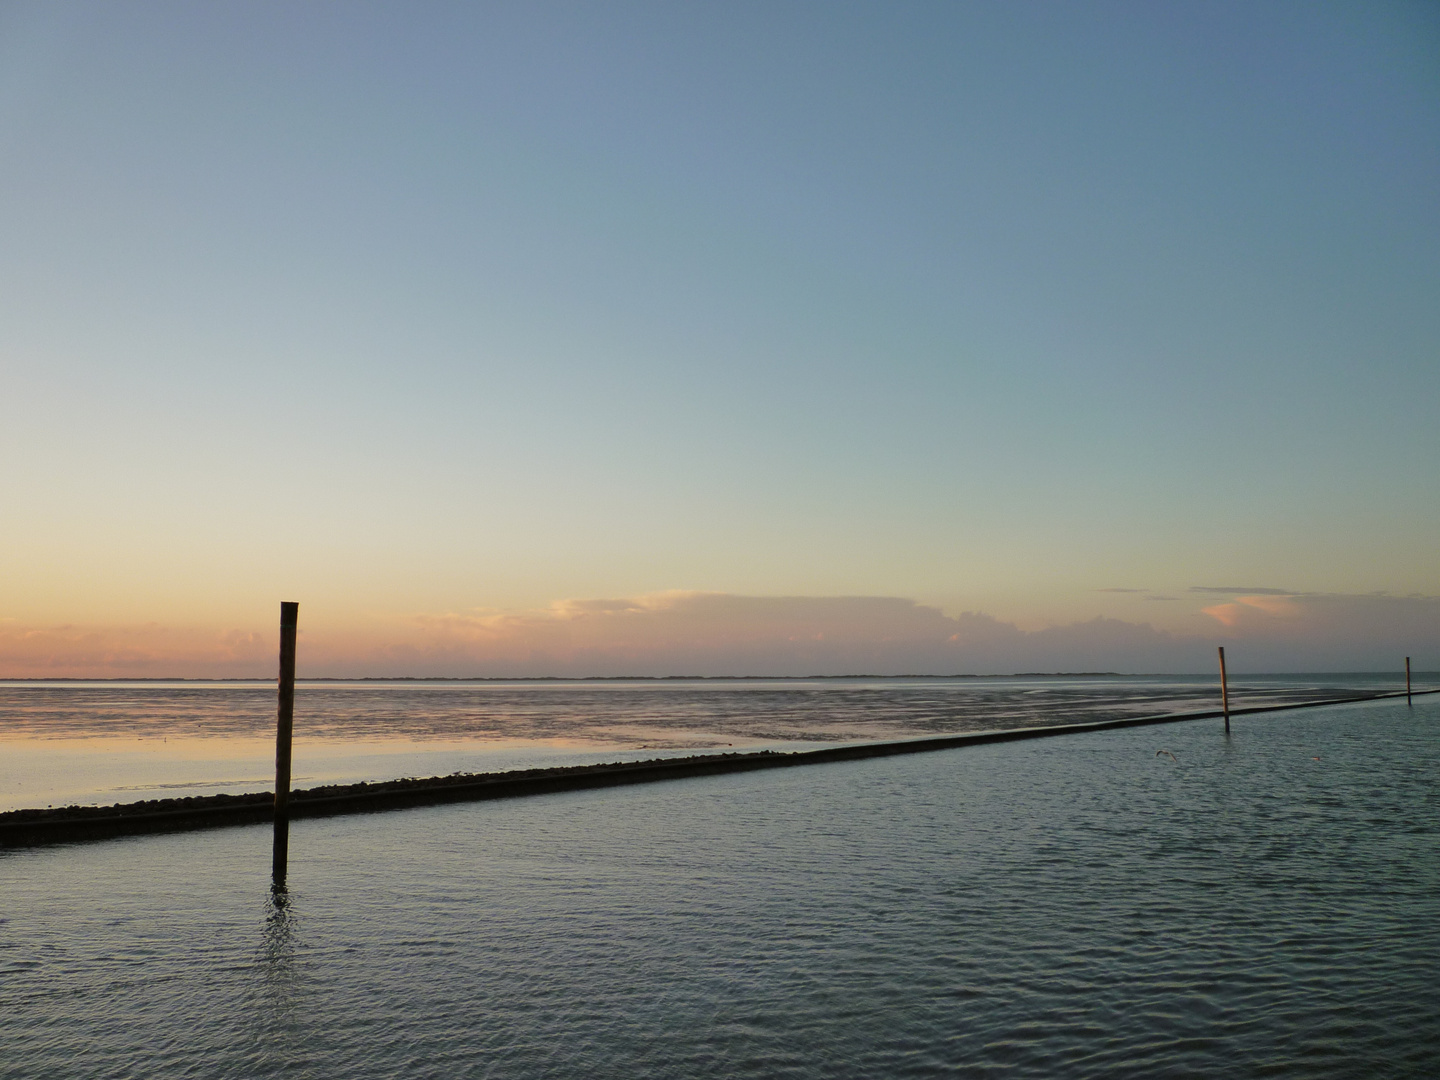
(1263, 905)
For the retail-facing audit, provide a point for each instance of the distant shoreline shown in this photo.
(587, 678)
(696, 678)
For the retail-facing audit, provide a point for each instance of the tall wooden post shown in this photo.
(1407, 682)
(285, 723)
(1224, 691)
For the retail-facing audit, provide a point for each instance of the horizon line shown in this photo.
(657, 678)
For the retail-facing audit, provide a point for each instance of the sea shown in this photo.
(1142, 902)
(97, 743)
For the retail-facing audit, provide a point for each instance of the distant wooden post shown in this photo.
(1407, 682)
(1224, 691)
(289, 616)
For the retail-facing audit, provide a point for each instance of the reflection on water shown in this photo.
(270, 1012)
(1263, 905)
(276, 960)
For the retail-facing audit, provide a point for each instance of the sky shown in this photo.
(756, 338)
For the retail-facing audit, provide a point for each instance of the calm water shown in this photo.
(102, 743)
(1264, 905)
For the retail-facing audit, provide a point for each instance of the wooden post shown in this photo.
(289, 616)
(1407, 682)
(1224, 691)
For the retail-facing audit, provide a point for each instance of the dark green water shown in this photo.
(1266, 905)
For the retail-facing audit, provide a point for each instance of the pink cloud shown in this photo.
(1333, 631)
(144, 651)
(723, 634)
(1240, 609)
(687, 633)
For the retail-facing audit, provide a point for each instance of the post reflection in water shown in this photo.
(277, 986)
(279, 925)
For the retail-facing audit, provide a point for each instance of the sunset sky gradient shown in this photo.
(756, 338)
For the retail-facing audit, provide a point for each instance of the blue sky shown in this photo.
(412, 311)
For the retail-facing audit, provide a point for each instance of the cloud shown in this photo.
(683, 633)
(1332, 631)
(723, 634)
(1123, 590)
(145, 651)
(692, 633)
(1250, 591)
(1277, 607)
